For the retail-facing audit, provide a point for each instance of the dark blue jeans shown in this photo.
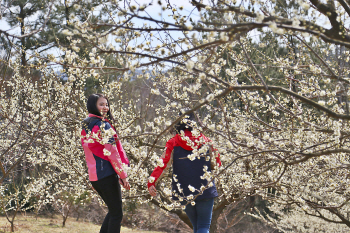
(200, 215)
(109, 190)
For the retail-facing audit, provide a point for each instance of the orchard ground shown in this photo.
(29, 223)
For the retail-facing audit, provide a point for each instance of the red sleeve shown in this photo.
(218, 161)
(114, 159)
(158, 171)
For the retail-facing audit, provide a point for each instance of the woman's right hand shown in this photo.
(152, 190)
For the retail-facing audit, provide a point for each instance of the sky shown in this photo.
(154, 11)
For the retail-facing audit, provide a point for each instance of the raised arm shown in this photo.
(159, 170)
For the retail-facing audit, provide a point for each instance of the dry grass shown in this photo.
(29, 224)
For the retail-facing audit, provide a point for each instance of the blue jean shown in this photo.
(200, 215)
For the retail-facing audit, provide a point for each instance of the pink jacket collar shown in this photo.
(104, 119)
(93, 115)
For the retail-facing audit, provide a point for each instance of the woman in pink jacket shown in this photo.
(104, 156)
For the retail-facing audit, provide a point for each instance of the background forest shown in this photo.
(268, 81)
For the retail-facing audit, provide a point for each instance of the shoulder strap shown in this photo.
(93, 122)
(90, 121)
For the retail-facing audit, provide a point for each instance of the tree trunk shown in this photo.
(181, 214)
(12, 226)
(65, 216)
(216, 213)
(23, 39)
(78, 213)
(64, 221)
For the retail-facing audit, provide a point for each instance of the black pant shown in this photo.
(109, 190)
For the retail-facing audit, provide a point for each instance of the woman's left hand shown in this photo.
(125, 183)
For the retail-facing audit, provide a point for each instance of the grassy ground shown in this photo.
(29, 224)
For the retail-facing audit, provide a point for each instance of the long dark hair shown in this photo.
(92, 105)
(182, 125)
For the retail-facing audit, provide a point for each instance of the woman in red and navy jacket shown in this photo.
(188, 178)
(104, 156)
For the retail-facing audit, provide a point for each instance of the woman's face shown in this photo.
(102, 106)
